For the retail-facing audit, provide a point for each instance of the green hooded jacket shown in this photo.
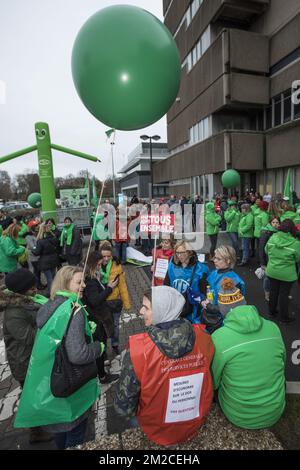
(24, 229)
(232, 217)
(283, 252)
(100, 231)
(261, 219)
(212, 219)
(246, 225)
(288, 215)
(248, 369)
(9, 254)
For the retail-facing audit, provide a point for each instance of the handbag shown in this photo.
(66, 378)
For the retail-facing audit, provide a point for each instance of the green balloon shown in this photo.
(35, 200)
(231, 179)
(126, 67)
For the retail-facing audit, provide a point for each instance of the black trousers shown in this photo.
(213, 243)
(279, 293)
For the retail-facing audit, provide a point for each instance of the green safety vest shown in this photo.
(38, 407)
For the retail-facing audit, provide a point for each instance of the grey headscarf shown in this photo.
(167, 304)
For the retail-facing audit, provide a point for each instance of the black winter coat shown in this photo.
(264, 238)
(94, 297)
(47, 250)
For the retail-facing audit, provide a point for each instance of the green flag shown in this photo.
(288, 189)
(110, 132)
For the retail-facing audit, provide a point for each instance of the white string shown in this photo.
(94, 223)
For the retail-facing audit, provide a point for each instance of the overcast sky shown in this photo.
(36, 40)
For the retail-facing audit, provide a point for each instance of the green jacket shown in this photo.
(232, 217)
(288, 215)
(9, 253)
(248, 369)
(212, 219)
(24, 229)
(19, 328)
(254, 209)
(283, 252)
(100, 231)
(261, 219)
(246, 225)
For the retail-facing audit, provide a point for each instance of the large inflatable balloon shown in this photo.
(126, 67)
(231, 179)
(35, 200)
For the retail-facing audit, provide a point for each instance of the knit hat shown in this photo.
(20, 281)
(232, 203)
(263, 205)
(167, 304)
(229, 296)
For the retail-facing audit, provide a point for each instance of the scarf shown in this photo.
(105, 274)
(66, 233)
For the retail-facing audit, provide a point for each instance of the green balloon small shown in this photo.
(35, 200)
(231, 179)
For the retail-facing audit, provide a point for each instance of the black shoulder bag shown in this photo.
(66, 378)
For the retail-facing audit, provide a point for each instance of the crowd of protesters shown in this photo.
(199, 329)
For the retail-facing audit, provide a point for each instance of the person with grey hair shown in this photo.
(246, 232)
(165, 381)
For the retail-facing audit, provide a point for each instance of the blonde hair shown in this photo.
(63, 278)
(227, 253)
(186, 246)
(12, 231)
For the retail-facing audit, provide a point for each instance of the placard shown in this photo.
(161, 268)
(184, 398)
(156, 223)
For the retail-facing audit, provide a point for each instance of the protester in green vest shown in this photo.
(23, 229)
(9, 249)
(232, 217)
(100, 229)
(71, 242)
(288, 213)
(248, 369)
(266, 234)
(212, 220)
(255, 207)
(66, 417)
(19, 329)
(246, 226)
(283, 251)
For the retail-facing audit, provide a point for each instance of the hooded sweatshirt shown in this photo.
(248, 369)
(212, 219)
(283, 252)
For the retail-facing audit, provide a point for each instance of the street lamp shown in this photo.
(150, 138)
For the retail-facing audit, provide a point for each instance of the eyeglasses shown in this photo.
(178, 253)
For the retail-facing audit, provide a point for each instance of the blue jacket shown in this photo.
(180, 278)
(215, 278)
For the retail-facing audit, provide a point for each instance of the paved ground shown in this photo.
(105, 429)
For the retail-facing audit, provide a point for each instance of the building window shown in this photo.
(198, 50)
(287, 106)
(277, 110)
(201, 131)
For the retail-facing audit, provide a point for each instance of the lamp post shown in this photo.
(113, 170)
(150, 138)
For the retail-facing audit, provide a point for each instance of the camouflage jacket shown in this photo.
(174, 339)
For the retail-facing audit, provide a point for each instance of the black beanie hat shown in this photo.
(20, 281)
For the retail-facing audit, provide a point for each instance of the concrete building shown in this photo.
(136, 177)
(234, 107)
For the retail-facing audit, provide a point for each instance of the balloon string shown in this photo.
(93, 228)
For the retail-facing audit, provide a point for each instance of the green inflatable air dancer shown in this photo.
(44, 147)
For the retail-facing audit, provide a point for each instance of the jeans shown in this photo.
(50, 274)
(213, 243)
(266, 283)
(246, 249)
(115, 336)
(121, 251)
(235, 243)
(72, 438)
(279, 293)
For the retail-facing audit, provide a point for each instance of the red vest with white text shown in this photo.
(176, 394)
